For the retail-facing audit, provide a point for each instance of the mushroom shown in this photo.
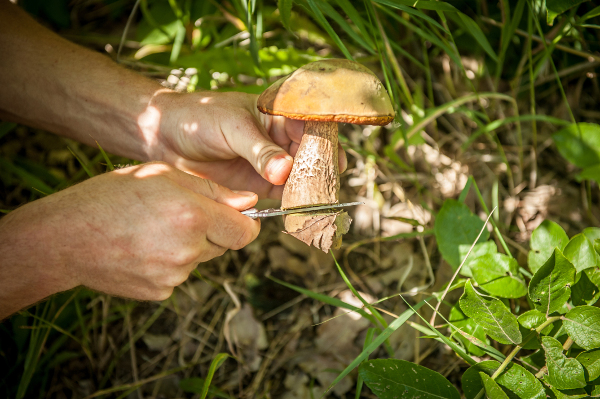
(323, 93)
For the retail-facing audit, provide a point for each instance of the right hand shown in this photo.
(138, 232)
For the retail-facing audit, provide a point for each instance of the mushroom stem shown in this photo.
(314, 179)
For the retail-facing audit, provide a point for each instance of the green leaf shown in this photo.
(483, 248)
(463, 323)
(514, 380)
(544, 239)
(475, 31)
(592, 233)
(587, 289)
(325, 24)
(285, 12)
(583, 326)
(580, 252)
(549, 289)
(214, 366)
(196, 384)
(590, 173)
(27, 178)
(388, 378)
(568, 393)
(579, 144)
(590, 360)
(492, 389)
(498, 274)
(471, 380)
(532, 319)
(159, 25)
(557, 7)
(491, 314)
(591, 14)
(563, 372)
(333, 14)
(456, 225)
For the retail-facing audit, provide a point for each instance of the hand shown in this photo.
(223, 137)
(135, 232)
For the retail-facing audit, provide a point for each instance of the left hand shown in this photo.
(223, 137)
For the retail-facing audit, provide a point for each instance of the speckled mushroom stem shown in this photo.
(314, 179)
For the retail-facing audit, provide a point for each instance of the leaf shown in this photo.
(591, 14)
(590, 173)
(543, 240)
(471, 380)
(590, 360)
(333, 14)
(456, 225)
(285, 12)
(475, 31)
(557, 7)
(321, 229)
(563, 372)
(514, 380)
(587, 290)
(580, 252)
(549, 289)
(579, 144)
(491, 314)
(483, 248)
(499, 275)
(532, 319)
(462, 322)
(583, 326)
(214, 366)
(325, 24)
(388, 378)
(492, 389)
(196, 384)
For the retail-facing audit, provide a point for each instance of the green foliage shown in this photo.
(556, 7)
(499, 275)
(491, 314)
(550, 287)
(544, 239)
(456, 227)
(387, 378)
(583, 326)
(492, 389)
(579, 144)
(563, 372)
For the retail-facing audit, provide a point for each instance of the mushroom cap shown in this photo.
(332, 90)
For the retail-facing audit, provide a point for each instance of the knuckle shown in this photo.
(185, 257)
(163, 294)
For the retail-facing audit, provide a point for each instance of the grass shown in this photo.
(470, 83)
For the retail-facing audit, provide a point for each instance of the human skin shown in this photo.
(50, 83)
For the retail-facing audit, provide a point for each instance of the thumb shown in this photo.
(239, 200)
(266, 157)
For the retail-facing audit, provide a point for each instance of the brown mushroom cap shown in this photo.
(333, 90)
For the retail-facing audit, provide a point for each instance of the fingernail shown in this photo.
(244, 193)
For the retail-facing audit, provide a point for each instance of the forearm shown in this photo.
(30, 265)
(50, 83)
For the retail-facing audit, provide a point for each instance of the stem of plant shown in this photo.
(516, 350)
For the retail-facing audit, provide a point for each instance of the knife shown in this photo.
(265, 213)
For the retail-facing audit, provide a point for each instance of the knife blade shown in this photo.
(265, 213)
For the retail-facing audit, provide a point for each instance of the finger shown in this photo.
(228, 228)
(267, 158)
(239, 200)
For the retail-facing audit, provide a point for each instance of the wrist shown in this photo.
(31, 268)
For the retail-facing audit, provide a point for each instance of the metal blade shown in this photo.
(254, 213)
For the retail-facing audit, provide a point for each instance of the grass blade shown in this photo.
(326, 299)
(84, 166)
(381, 338)
(214, 366)
(110, 165)
(325, 24)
